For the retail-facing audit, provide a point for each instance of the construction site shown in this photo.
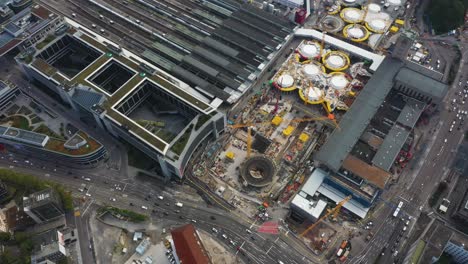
(266, 155)
(364, 22)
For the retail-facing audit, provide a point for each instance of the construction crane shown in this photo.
(322, 45)
(366, 10)
(253, 124)
(335, 211)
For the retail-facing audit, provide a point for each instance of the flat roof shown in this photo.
(312, 207)
(391, 147)
(343, 45)
(422, 83)
(164, 81)
(359, 115)
(352, 205)
(24, 136)
(371, 174)
(411, 112)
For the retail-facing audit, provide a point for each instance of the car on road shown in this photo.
(88, 194)
(193, 220)
(248, 231)
(224, 236)
(232, 243)
(214, 230)
(131, 204)
(144, 207)
(112, 199)
(87, 179)
(166, 213)
(156, 204)
(160, 197)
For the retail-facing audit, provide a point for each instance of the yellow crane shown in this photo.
(335, 211)
(253, 124)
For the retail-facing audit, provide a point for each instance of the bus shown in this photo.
(397, 210)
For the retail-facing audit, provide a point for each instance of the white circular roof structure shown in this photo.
(349, 1)
(309, 50)
(374, 8)
(313, 94)
(336, 61)
(311, 70)
(285, 81)
(338, 82)
(394, 2)
(356, 32)
(384, 16)
(377, 24)
(352, 14)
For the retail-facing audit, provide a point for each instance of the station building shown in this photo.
(375, 135)
(124, 95)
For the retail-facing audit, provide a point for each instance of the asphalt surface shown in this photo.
(262, 248)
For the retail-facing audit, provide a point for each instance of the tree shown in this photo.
(4, 237)
(446, 15)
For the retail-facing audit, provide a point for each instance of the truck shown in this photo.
(179, 204)
(339, 253)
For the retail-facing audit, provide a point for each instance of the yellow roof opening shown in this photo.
(288, 130)
(394, 29)
(230, 155)
(399, 22)
(303, 137)
(277, 120)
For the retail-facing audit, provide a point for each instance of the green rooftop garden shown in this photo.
(57, 145)
(44, 67)
(201, 121)
(179, 146)
(143, 133)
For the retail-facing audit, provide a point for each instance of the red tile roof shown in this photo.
(188, 246)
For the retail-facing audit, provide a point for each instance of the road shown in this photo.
(416, 186)
(262, 248)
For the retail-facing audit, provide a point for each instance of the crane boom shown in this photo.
(335, 211)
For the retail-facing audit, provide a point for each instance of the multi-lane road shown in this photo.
(252, 247)
(419, 181)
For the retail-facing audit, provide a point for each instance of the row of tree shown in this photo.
(447, 15)
(29, 184)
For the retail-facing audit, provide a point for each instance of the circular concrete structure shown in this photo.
(332, 24)
(311, 70)
(285, 81)
(374, 8)
(310, 50)
(376, 25)
(336, 61)
(311, 95)
(394, 2)
(338, 81)
(352, 15)
(356, 32)
(258, 171)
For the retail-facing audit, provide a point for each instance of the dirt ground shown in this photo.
(109, 241)
(217, 252)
